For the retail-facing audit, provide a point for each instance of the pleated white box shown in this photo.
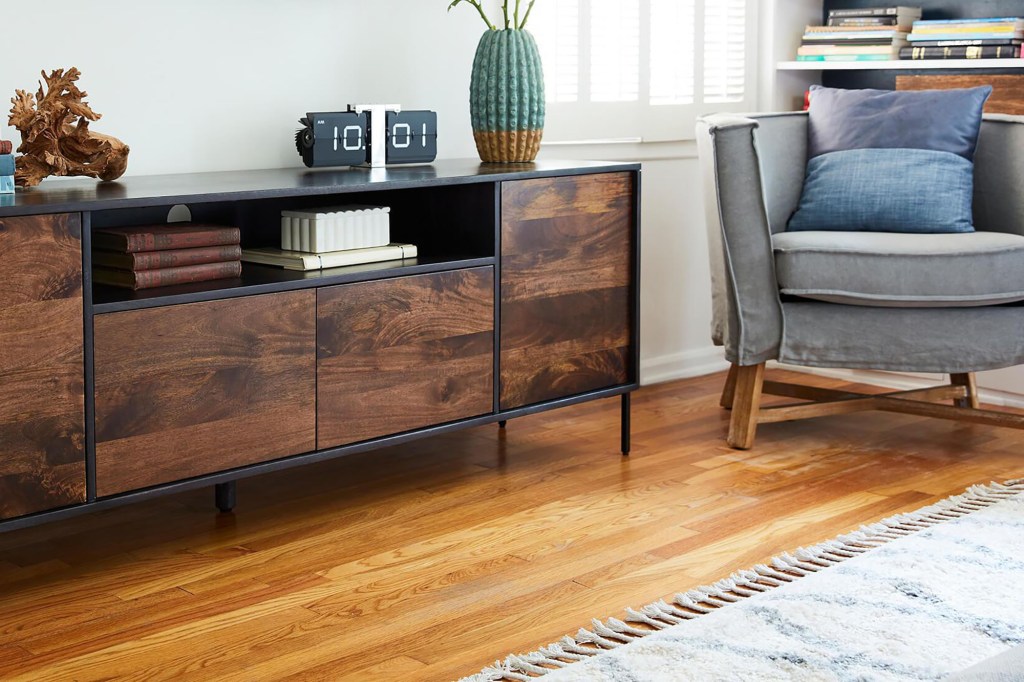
(336, 228)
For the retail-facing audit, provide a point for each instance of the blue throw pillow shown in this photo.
(887, 161)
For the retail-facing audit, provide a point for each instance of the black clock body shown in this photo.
(411, 137)
(333, 139)
(344, 138)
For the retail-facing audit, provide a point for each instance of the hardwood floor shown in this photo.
(429, 560)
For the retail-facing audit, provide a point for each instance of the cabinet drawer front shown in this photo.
(193, 389)
(566, 286)
(42, 419)
(404, 354)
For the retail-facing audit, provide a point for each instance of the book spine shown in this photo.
(176, 258)
(966, 30)
(845, 57)
(149, 279)
(846, 49)
(7, 164)
(863, 12)
(984, 20)
(917, 37)
(6, 146)
(846, 22)
(849, 37)
(963, 43)
(163, 241)
(979, 52)
(6, 184)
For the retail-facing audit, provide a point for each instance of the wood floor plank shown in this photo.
(428, 560)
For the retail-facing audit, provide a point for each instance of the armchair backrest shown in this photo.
(999, 175)
(753, 172)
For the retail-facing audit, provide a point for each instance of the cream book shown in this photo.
(298, 260)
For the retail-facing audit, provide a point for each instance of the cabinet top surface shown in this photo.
(57, 196)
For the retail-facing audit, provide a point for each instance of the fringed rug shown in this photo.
(915, 597)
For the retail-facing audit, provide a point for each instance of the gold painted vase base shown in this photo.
(514, 146)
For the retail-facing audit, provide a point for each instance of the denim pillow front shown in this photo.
(886, 161)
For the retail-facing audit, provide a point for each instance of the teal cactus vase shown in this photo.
(506, 97)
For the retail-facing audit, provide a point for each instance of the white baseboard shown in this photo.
(902, 382)
(708, 360)
(689, 363)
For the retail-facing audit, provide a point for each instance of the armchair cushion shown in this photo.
(889, 161)
(901, 270)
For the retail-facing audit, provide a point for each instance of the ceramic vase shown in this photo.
(506, 98)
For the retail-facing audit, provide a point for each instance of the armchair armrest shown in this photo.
(745, 295)
(999, 175)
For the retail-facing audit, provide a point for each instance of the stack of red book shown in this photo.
(158, 255)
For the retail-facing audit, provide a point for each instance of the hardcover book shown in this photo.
(298, 260)
(6, 164)
(846, 22)
(6, 146)
(149, 279)
(961, 43)
(897, 11)
(152, 260)
(164, 237)
(965, 52)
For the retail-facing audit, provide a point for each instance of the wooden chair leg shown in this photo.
(729, 390)
(745, 406)
(967, 381)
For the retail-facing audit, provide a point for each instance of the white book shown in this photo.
(298, 260)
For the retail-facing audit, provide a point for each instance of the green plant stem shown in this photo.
(516, 22)
(504, 10)
(483, 14)
(529, 8)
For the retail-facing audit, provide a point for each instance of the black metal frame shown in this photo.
(225, 481)
(239, 473)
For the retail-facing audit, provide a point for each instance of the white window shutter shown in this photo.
(629, 68)
(725, 55)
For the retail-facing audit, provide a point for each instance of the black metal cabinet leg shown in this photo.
(224, 495)
(625, 423)
(502, 423)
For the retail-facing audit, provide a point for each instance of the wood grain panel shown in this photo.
(403, 354)
(192, 389)
(42, 434)
(566, 286)
(1007, 90)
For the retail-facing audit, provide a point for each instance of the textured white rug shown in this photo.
(915, 597)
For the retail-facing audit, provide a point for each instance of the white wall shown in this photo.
(201, 85)
(194, 85)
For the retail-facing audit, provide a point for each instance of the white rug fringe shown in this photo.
(783, 569)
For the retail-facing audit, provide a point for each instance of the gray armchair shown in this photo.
(945, 303)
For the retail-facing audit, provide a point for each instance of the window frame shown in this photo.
(640, 121)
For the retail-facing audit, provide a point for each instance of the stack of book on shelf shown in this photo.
(332, 237)
(994, 38)
(856, 35)
(158, 255)
(6, 167)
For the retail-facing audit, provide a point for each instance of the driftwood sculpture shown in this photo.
(55, 135)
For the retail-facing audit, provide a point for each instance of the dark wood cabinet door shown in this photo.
(42, 419)
(193, 389)
(404, 353)
(566, 273)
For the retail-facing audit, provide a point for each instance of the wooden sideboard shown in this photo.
(524, 298)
